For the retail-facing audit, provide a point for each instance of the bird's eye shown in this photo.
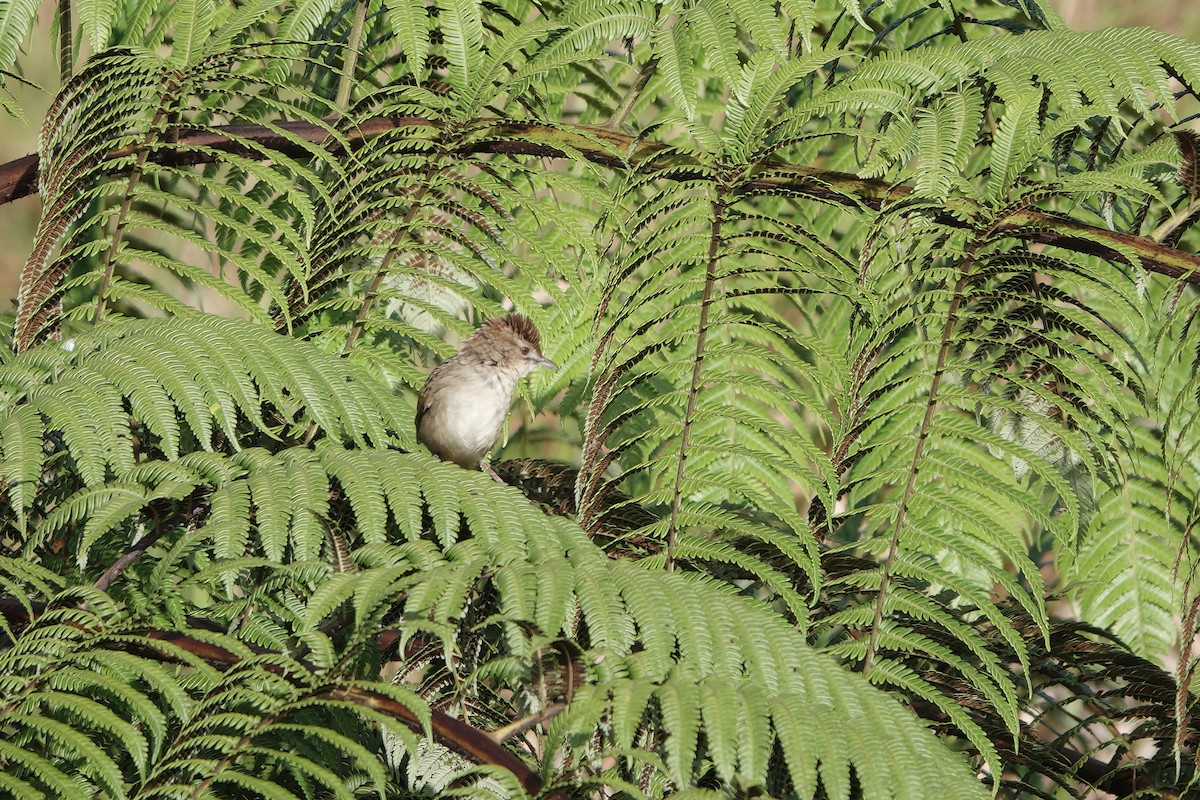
(524, 349)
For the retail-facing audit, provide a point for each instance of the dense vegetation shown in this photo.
(872, 468)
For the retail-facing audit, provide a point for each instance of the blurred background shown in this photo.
(19, 137)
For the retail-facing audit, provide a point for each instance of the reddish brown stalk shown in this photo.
(710, 279)
(931, 402)
(616, 150)
(118, 236)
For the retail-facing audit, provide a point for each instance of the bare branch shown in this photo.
(620, 151)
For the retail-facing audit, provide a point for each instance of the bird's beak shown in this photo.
(545, 362)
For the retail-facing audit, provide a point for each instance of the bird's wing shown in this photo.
(425, 398)
(422, 405)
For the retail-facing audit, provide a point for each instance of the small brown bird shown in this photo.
(465, 400)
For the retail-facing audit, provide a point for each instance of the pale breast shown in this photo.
(464, 415)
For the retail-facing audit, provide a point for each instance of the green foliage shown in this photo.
(877, 325)
(686, 665)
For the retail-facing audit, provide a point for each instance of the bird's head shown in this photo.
(511, 342)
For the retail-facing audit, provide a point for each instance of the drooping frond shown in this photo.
(15, 25)
(111, 397)
(110, 207)
(221, 716)
(490, 570)
(688, 390)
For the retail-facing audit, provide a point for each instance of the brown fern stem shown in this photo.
(385, 263)
(620, 151)
(467, 740)
(459, 736)
(939, 371)
(625, 107)
(135, 177)
(710, 279)
(516, 728)
(128, 557)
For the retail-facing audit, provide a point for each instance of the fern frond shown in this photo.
(15, 25)
(187, 383)
(946, 135)
(99, 196)
(302, 735)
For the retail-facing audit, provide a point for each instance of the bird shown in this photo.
(465, 400)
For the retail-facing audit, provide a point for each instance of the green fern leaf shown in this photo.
(410, 24)
(96, 19)
(15, 24)
(192, 31)
(945, 137)
(461, 24)
(672, 47)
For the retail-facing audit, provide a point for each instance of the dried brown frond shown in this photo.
(1189, 163)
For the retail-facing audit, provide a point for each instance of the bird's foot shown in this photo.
(488, 469)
